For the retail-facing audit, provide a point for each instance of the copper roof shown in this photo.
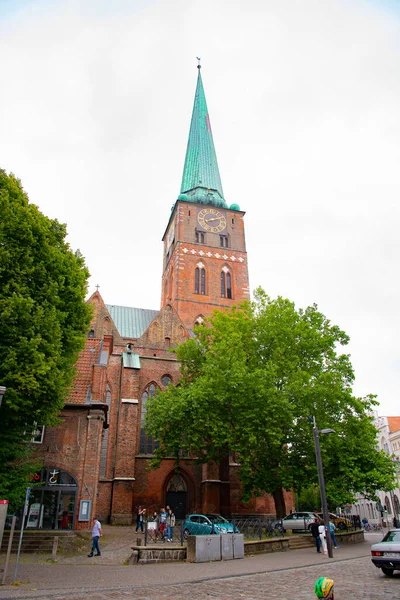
(131, 322)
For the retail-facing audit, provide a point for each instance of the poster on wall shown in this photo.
(84, 510)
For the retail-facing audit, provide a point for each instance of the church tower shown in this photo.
(205, 259)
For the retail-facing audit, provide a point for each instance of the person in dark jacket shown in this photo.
(315, 533)
(140, 514)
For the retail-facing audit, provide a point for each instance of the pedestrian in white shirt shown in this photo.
(96, 535)
(322, 537)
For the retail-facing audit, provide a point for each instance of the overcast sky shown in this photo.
(304, 96)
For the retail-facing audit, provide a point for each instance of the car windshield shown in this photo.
(217, 518)
(392, 536)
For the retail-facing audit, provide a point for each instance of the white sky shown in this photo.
(304, 95)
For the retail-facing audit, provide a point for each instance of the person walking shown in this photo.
(96, 535)
(170, 525)
(315, 533)
(140, 513)
(322, 537)
(332, 529)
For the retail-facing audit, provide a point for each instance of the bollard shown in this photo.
(10, 541)
(138, 541)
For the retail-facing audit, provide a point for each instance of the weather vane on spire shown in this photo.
(199, 59)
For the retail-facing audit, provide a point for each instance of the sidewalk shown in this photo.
(105, 572)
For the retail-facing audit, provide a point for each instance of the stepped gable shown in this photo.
(165, 330)
(102, 322)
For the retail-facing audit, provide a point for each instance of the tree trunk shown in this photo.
(279, 500)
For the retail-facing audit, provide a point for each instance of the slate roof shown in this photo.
(131, 322)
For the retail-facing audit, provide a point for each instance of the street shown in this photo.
(275, 576)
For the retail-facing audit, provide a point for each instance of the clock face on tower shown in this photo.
(211, 220)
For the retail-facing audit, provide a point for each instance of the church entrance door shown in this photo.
(177, 501)
(176, 496)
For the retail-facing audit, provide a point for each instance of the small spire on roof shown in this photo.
(199, 59)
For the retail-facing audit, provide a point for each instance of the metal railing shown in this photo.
(251, 528)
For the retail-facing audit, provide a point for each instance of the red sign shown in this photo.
(3, 501)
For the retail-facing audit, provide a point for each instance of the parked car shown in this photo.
(386, 554)
(197, 524)
(297, 521)
(339, 522)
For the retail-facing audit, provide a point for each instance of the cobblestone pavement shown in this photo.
(355, 579)
(283, 576)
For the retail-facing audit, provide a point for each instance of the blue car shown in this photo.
(206, 525)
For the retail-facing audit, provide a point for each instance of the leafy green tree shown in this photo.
(44, 319)
(250, 380)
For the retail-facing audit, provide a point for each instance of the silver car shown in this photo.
(297, 521)
(386, 554)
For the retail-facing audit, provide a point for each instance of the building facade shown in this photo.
(388, 439)
(96, 461)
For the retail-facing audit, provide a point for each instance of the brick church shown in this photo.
(96, 460)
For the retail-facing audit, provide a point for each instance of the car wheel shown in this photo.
(186, 534)
(341, 526)
(387, 571)
(309, 527)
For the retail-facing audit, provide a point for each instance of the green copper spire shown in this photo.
(201, 181)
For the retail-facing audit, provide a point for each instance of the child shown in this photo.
(324, 588)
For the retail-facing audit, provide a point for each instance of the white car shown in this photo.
(297, 521)
(386, 554)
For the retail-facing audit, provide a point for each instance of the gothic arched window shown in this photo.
(147, 443)
(200, 279)
(226, 283)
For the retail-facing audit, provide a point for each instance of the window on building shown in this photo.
(199, 320)
(200, 280)
(203, 281)
(91, 333)
(147, 443)
(37, 434)
(166, 380)
(396, 504)
(223, 241)
(388, 505)
(199, 237)
(226, 284)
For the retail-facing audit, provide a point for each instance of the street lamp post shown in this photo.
(2, 392)
(321, 481)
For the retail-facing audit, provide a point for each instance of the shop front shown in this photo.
(52, 500)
